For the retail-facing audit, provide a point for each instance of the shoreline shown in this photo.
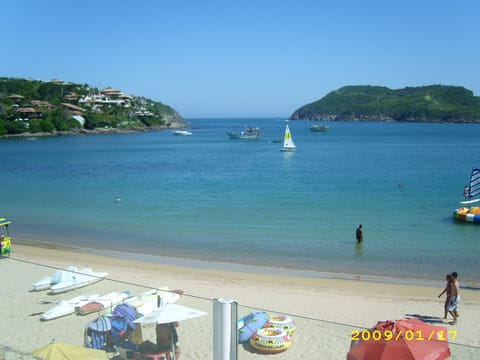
(96, 131)
(239, 267)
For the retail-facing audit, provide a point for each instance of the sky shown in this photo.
(244, 58)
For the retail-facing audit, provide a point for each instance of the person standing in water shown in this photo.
(359, 234)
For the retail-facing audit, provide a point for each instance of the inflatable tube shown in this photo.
(467, 214)
(283, 322)
(270, 340)
(250, 324)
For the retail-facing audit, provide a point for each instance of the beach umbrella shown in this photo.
(62, 351)
(169, 314)
(409, 339)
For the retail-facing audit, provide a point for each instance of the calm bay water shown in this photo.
(210, 198)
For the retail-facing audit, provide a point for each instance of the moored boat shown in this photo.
(249, 133)
(182, 132)
(319, 128)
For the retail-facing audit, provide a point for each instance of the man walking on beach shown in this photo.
(454, 297)
(359, 234)
(448, 291)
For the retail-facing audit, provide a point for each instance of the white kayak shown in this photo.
(67, 307)
(79, 279)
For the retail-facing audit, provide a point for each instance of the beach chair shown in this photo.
(97, 332)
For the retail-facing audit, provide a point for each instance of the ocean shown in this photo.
(246, 204)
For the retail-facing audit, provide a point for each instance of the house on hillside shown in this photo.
(27, 113)
(74, 109)
(16, 98)
(72, 96)
(43, 104)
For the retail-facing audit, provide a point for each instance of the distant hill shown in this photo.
(435, 103)
(34, 106)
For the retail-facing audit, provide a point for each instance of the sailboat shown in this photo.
(472, 190)
(472, 195)
(288, 144)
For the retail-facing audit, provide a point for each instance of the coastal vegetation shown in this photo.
(435, 103)
(34, 106)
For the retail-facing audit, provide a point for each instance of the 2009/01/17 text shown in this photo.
(408, 335)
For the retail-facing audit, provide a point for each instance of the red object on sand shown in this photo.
(409, 339)
(90, 307)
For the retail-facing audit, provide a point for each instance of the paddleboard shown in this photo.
(469, 202)
(67, 307)
(103, 302)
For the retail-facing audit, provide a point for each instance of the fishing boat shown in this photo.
(472, 196)
(319, 128)
(288, 144)
(79, 279)
(249, 133)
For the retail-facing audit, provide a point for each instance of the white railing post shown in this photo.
(225, 332)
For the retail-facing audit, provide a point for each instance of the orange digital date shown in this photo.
(408, 335)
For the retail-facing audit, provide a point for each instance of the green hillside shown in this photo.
(33, 106)
(435, 103)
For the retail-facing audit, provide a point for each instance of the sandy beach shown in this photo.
(325, 310)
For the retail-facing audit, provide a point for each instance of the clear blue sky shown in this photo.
(242, 58)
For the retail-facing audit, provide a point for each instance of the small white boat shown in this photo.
(288, 144)
(67, 307)
(79, 279)
(48, 281)
(103, 302)
(182, 132)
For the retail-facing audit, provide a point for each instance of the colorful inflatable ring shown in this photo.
(281, 322)
(251, 323)
(270, 340)
(467, 214)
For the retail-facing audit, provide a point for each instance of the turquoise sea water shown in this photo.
(207, 197)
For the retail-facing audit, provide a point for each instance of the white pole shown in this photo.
(225, 332)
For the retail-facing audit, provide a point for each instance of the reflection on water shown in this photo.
(359, 249)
